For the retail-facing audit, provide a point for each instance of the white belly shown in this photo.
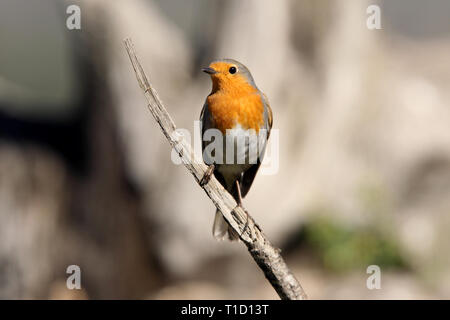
(239, 151)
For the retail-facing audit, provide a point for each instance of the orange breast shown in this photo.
(229, 109)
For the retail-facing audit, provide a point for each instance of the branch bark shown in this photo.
(265, 255)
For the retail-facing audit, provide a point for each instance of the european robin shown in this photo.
(236, 109)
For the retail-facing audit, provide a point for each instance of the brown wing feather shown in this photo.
(250, 174)
(205, 120)
(247, 179)
(269, 114)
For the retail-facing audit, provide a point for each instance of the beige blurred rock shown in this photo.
(197, 290)
(32, 198)
(59, 291)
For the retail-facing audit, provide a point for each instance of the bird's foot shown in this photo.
(247, 219)
(207, 176)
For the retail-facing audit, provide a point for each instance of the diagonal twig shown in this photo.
(265, 255)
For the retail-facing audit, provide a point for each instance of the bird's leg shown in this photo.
(207, 176)
(238, 188)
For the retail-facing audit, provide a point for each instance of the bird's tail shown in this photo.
(221, 229)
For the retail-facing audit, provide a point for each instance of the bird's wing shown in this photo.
(250, 174)
(205, 122)
(268, 114)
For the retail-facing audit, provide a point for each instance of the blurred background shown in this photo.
(86, 176)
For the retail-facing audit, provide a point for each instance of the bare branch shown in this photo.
(266, 256)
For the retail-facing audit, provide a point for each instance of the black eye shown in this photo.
(232, 70)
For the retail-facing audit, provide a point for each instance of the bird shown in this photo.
(235, 109)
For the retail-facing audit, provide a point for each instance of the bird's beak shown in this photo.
(209, 70)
